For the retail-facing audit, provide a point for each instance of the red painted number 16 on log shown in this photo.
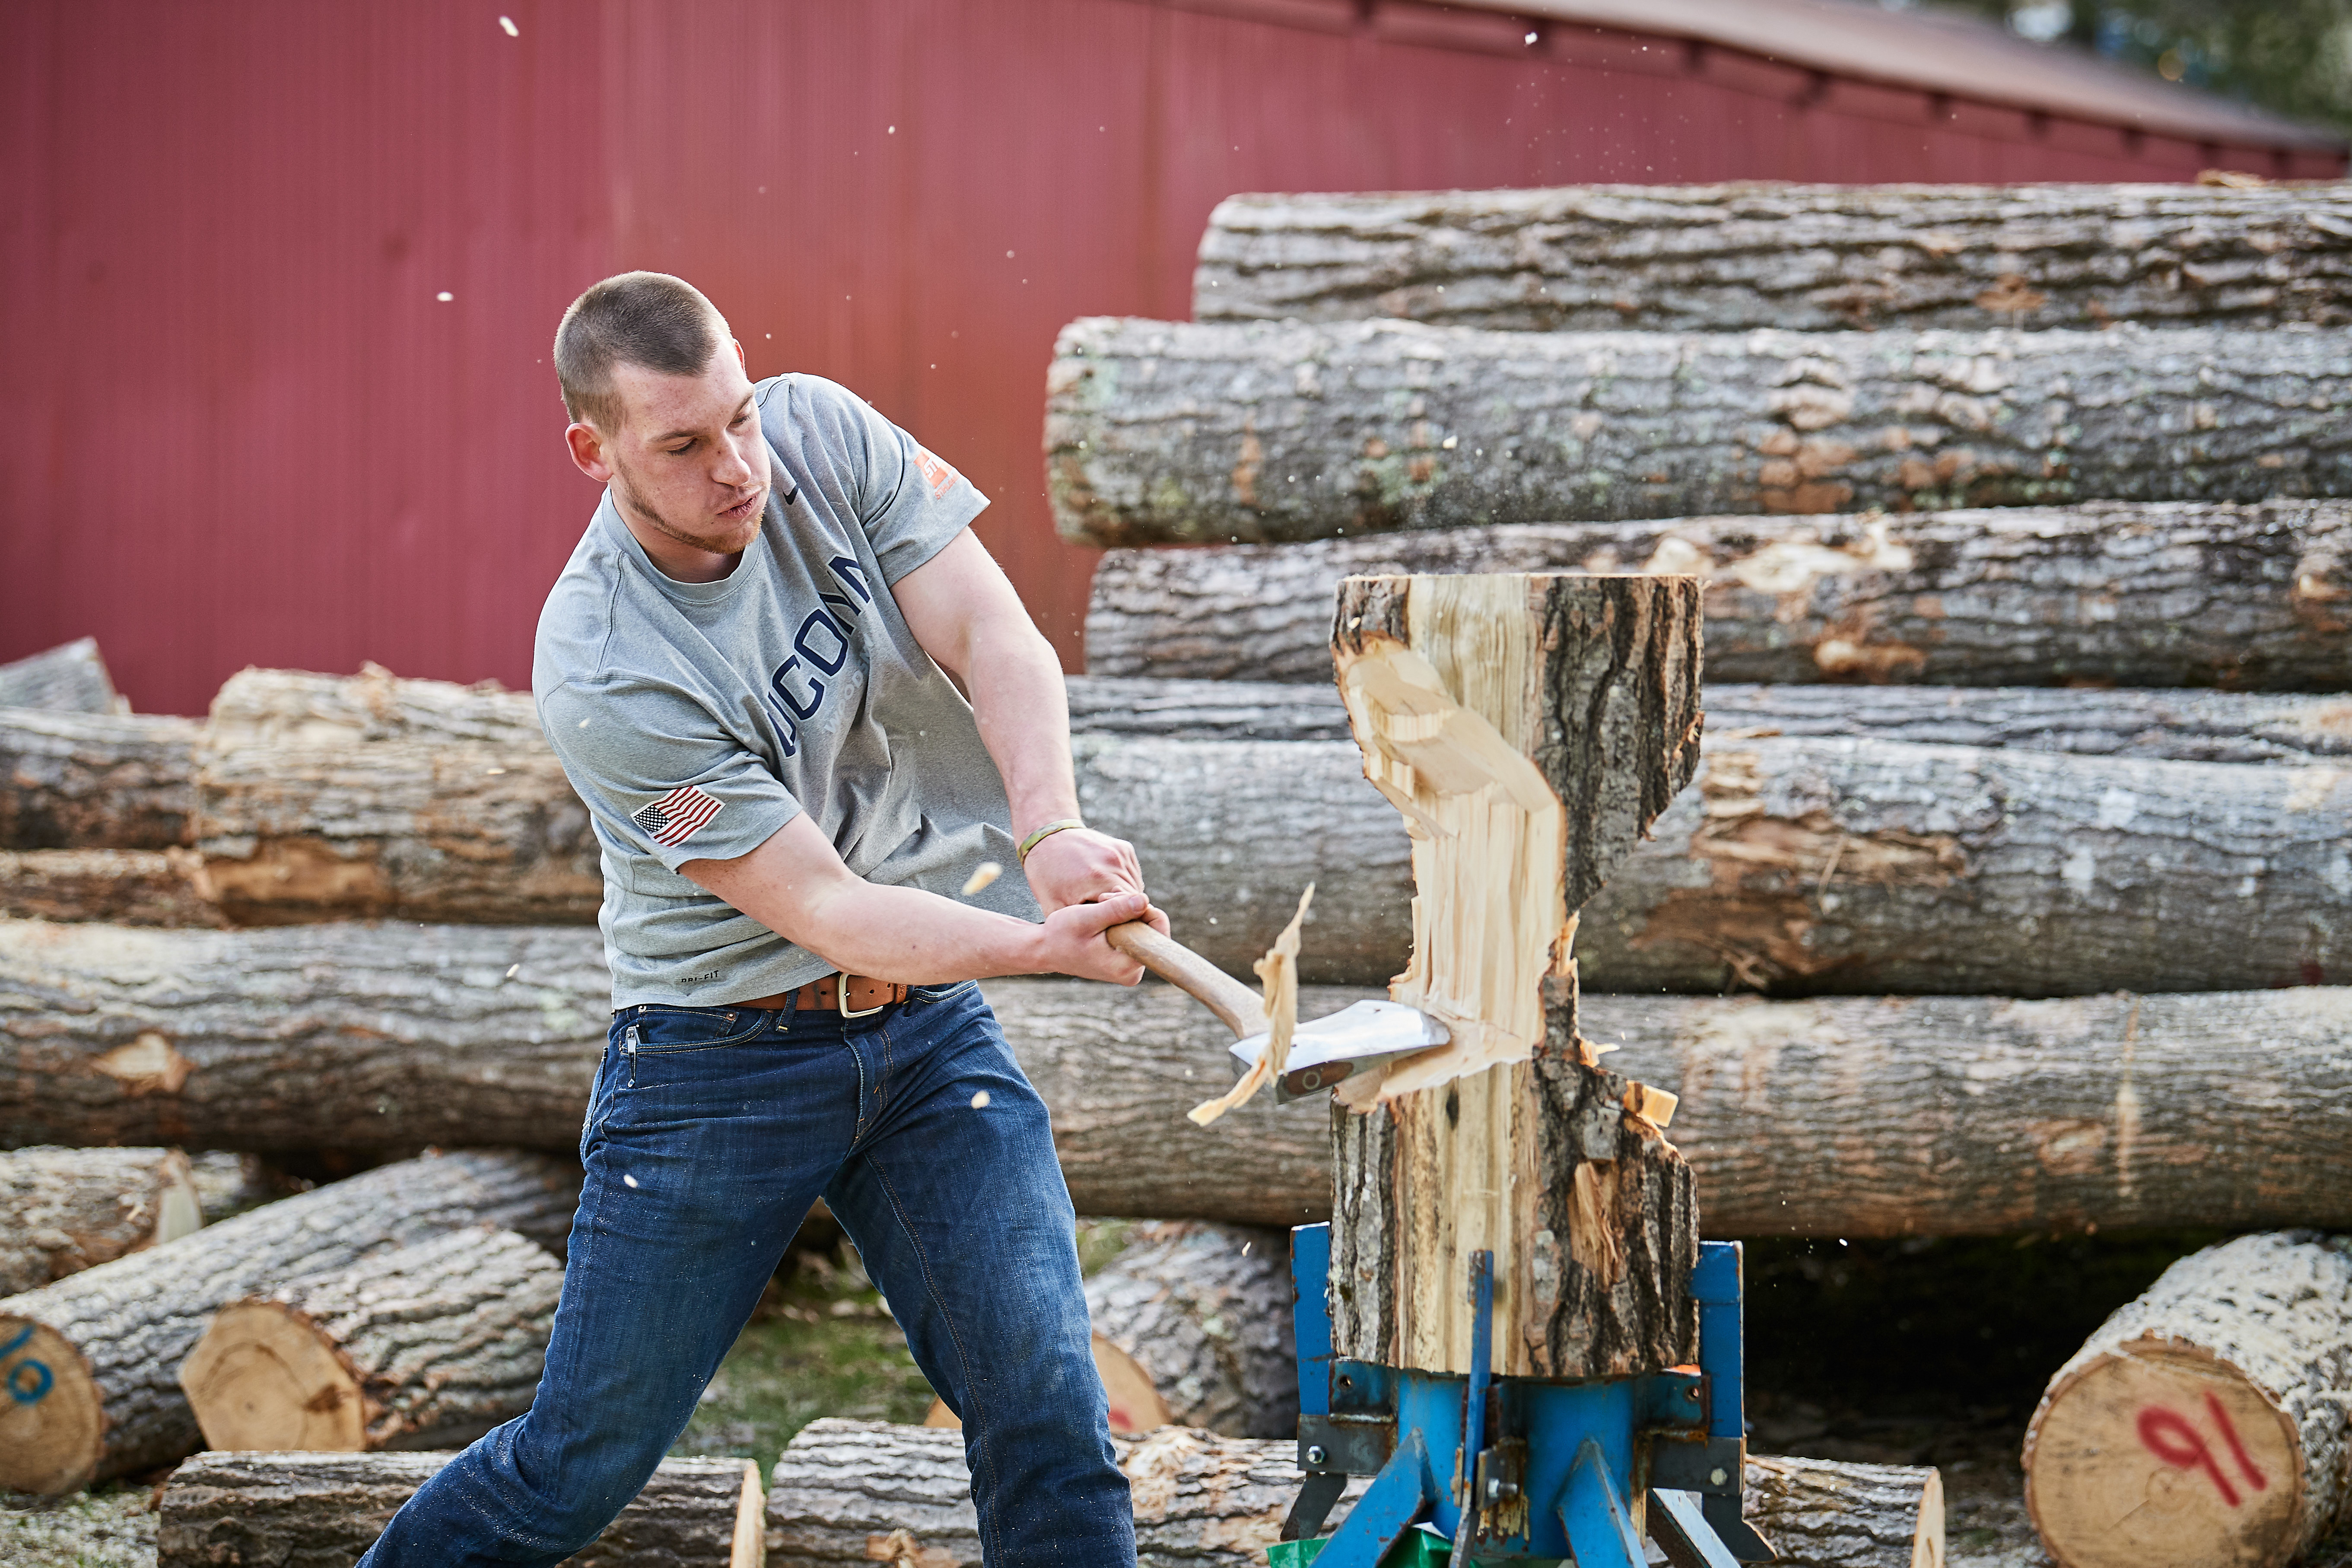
(2168, 1434)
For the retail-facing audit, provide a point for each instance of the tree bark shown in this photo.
(2251, 598)
(322, 1510)
(2207, 1421)
(103, 781)
(1978, 1115)
(866, 1491)
(69, 678)
(1203, 1312)
(1865, 866)
(1801, 258)
(1169, 432)
(395, 829)
(427, 1346)
(62, 1210)
(1205, 709)
(349, 1036)
(300, 707)
(1827, 1513)
(1985, 1116)
(2178, 726)
(128, 887)
(1798, 865)
(395, 1038)
(1529, 729)
(91, 1360)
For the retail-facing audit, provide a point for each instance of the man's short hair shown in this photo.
(648, 319)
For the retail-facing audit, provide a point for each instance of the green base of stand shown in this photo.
(1420, 1549)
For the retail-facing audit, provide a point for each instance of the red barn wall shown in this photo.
(240, 428)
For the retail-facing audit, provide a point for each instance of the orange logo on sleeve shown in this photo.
(936, 474)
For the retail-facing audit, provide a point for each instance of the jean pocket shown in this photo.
(655, 1029)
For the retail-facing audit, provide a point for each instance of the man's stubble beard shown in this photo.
(627, 494)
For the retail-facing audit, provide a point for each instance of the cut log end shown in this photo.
(265, 1377)
(2161, 1454)
(52, 1421)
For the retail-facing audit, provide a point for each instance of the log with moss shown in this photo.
(1173, 433)
(322, 1510)
(92, 1361)
(2253, 597)
(1802, 257)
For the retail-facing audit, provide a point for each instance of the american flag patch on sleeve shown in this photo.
(676, 817)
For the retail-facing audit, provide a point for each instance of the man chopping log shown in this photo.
(755, 669)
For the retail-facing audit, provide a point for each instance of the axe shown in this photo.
(1358, 1037)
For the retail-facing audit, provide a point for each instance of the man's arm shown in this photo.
(966, 614)
(797, 886)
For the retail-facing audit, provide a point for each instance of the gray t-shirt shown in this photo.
(696, 719)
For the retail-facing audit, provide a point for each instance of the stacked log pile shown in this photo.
(2012, 735)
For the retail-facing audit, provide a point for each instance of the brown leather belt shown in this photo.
(864, 995)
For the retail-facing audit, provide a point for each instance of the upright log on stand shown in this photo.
(427, 1346)
(1529, 729)
(2208, 1422)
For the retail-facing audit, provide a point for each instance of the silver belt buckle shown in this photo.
(840, 999)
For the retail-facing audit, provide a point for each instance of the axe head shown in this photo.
(1363, 1035)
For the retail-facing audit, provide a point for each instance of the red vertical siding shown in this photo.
(240, 428)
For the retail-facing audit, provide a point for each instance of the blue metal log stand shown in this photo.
(1551, 1470)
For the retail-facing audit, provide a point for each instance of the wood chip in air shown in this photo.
(984, 873)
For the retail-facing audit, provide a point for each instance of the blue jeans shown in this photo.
(709, 1132)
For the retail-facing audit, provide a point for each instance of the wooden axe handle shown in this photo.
(1187, 970)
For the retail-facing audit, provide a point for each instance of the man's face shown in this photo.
(689, 460)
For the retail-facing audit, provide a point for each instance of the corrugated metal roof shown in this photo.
(1964, 57)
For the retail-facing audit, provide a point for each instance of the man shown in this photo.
(751, 670)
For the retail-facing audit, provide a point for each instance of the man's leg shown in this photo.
(956, 1200)
(708, 1135)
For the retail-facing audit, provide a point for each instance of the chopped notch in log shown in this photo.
(1529, 729)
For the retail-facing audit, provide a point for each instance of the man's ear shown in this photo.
(739, 350)
(587, 444)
